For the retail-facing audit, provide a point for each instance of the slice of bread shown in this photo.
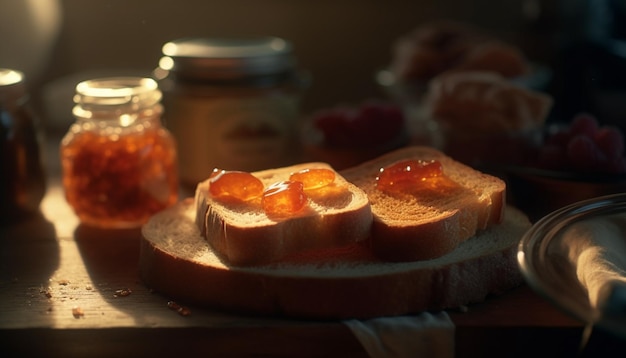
(433, 221)
(337, 215)
(176, 261)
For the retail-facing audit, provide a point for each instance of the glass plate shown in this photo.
(544, 257)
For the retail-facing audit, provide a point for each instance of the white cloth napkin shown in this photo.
(423, 335)
(596, 249)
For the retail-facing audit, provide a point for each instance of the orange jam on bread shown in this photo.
(283, 198)
(235, 184)
(405, 175)
(314, 178)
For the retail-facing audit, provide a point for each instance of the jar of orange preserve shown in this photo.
(119, 163)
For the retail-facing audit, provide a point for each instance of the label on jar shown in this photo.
(243, 133)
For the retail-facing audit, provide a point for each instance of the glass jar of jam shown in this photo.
(119, 163)
(23, 180)
(232, 103)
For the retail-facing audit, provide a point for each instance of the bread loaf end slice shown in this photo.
(175, 260)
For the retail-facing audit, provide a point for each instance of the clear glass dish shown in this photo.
(547, 260)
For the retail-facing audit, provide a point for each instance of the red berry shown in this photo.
(559, 137)
(552, 157)
(584, 124)
(334, 125)
(610, 141)
(616, 166)
(370, 123)
(583, 146)
(583, 154)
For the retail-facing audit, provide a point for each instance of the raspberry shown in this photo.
(584, 124)
(584, 146)
(583, 154)
(558, 138)
(610, 141)
(369, 123)
(552, 157)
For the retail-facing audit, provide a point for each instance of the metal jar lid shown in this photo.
(12, 85)
(227, 58)
(117, 95)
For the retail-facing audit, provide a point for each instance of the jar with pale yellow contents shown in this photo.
(119, 163)
(231, 103)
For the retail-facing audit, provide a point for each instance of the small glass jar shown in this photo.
(231, 103)
(23, 180)
(119, 163)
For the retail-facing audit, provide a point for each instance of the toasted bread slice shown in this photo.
(336, 215)
(435, 220)
(175, 260)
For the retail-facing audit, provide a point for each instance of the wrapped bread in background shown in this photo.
(484, 119)
(440, 46)
(484, 102)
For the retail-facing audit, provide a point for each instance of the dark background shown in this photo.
(342, 43)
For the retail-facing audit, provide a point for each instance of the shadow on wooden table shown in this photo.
(110, 257)
(29, 256)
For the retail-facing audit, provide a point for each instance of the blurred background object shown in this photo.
(22, 182)
(590, 60)
(234, 99)
(342, 43)
(28, 33)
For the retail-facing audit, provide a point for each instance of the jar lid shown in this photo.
(227, 58)
(10, 77)
(115, 94)
(11, 84)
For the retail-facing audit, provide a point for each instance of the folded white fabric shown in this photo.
(423, 335)
(597, 250)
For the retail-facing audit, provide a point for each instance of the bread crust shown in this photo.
(176, 261)
(433, 222)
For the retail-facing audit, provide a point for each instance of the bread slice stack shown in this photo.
(444, 247)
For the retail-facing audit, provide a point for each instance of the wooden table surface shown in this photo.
(61, 294)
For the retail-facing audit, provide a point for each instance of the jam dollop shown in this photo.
(284, 198)
(280, 199)
(235, 184)
(406, 175)
(314, 178)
